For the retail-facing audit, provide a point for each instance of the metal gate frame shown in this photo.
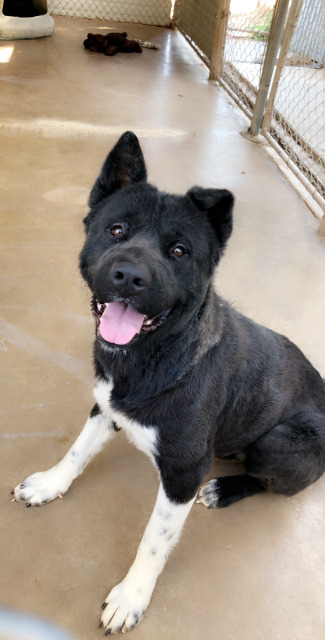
(261, 105)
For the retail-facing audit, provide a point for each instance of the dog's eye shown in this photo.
(117, 231)
(178, 251)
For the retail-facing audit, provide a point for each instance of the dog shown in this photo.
(184, 374)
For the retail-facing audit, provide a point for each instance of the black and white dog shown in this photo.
(185, 375)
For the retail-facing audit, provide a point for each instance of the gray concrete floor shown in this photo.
(253, 571)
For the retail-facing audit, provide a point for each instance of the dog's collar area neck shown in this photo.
(202, 309)
(205, 303)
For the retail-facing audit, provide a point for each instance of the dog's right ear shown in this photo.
(217, 204)
(124, 165)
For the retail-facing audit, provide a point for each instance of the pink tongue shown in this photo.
(120, 323)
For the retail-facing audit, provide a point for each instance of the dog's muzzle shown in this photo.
(120, 323)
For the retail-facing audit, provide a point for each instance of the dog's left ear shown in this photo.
(218, 205)
(124, 165)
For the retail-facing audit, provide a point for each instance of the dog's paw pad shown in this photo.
(209, 494)
(123, 608)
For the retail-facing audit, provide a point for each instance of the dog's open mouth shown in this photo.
(119, 322)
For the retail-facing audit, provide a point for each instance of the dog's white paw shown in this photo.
(124, 607)
(42, 487)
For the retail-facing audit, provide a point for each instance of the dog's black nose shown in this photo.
(128, 278)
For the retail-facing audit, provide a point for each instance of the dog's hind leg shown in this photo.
(285, 460)
(44, 486)
(291, 456)
(221, 492)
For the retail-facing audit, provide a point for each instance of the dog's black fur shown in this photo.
(209, 379)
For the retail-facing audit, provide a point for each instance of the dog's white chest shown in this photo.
(144, 438)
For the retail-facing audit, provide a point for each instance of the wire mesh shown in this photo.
(153, 12)
(246, 41)
(298, 118)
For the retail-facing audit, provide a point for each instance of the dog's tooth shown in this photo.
(100, 307)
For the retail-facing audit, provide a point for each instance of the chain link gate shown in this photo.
(245, 47)
(295, 116)
(270, 56)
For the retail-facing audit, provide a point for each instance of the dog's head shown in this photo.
(149, 256)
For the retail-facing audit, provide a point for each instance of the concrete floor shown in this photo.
(253, 571)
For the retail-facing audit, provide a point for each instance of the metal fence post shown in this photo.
(276, 31)
(216, 62)
(293, 16)
(321, 229)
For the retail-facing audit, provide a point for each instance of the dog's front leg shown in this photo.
(44, 486)
(127, 602)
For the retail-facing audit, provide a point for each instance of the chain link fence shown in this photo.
(298, 116)
(153, 12)
(245, 47)
(236, 37)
